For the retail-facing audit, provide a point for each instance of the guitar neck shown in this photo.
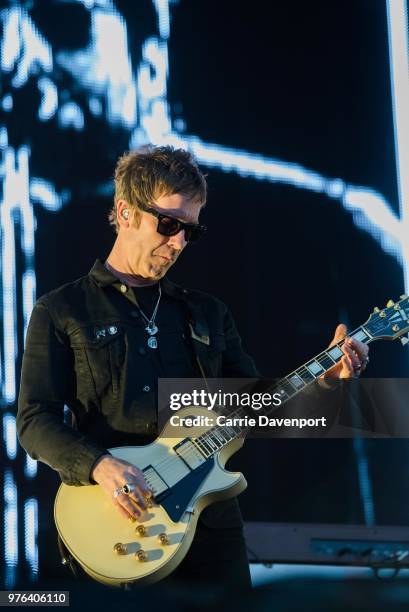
(219, 436)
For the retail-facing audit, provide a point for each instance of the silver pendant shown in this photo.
(152, 342)
(152, 329)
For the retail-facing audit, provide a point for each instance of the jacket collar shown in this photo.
(199, 327)
(103, 277)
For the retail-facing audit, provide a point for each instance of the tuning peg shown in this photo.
(403, 297)
(404, 340)
(376, 309)
(390, 304)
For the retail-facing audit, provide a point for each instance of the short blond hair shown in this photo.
(146, 173)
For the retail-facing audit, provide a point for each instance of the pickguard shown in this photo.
(176, 499)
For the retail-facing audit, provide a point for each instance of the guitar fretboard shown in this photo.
(215, 438)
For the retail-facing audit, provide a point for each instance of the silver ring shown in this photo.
(357, 368)
(128, 488)
(118, 491)
(366, 360)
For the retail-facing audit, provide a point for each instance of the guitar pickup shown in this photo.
(189, 453)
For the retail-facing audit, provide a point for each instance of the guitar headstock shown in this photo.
(391, 322)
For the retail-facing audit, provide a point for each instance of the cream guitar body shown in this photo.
(117, 552)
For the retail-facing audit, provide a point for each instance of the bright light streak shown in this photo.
(162, 9)
(10, 529)
(10, 435)
(399, 66)
(23, 46)
(71, 116)
(31, 467)
(30, 535)
(49, 100)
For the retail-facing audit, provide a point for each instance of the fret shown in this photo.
(218, 434)
(211, 442)
(230, 431)
(206, 445)
(296, 381)
(286, 386)
(215, 438)
(335, 353)
(207, 451)
(305, 375)
(325, 360)
(198, 447)
(225, 434)
(315, 368)
(360, 335)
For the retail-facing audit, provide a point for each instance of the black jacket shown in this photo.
(83, 350)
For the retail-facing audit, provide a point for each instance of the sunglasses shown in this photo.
(169, 226)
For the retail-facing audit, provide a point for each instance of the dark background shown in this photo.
(303, 82)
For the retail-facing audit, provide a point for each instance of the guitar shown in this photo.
(186, 475)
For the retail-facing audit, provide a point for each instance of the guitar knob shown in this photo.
(390, 304)
(141, 555)
(141, 530)
(163, 539)
(120, 548)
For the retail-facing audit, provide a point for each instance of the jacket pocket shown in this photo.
(100, 354)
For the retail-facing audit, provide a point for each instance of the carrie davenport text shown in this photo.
(259, 421)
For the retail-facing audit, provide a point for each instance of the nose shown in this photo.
(178, 241)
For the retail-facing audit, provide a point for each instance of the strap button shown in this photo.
(146, 388)
(124, 288)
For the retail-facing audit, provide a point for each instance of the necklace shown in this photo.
(152, 328)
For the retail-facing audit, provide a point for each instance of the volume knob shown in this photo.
(120, 548)
(163, 539)
(141, 530)
(141, 555)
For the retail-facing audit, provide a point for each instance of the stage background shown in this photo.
(288, 108)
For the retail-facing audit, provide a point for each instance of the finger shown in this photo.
(132, 508)
(356, 362)
(340, 333)
(140, 492)
(121, 510)
(361, 349)
(143, 485)
(347, 364)
(137, 497)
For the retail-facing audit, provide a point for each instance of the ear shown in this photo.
(123, 213)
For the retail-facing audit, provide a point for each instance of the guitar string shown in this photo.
(169, 462)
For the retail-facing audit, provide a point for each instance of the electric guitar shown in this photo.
(186, 475)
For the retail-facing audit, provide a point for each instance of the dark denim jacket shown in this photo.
(82, 351)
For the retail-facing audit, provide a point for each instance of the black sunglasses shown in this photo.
(169, 226)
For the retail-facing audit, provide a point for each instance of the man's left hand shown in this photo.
(354, 360)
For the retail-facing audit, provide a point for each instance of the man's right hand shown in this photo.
(112, 473)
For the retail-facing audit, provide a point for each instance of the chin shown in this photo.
(156, 274)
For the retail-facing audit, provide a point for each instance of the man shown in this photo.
(99, 344)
